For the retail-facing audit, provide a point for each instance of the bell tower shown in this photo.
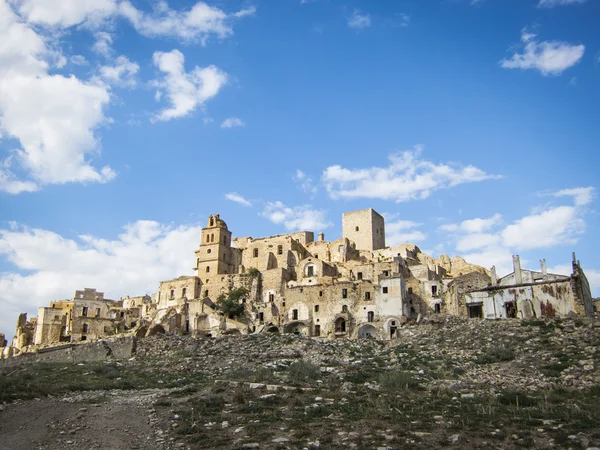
(214, 255)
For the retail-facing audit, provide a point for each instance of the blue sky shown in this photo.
(472, 125)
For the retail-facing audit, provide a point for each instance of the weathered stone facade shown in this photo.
(351, 287)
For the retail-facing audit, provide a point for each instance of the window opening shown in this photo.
(344, 308)
(359, 275)
(384, 289)
(295, 314)
(317, 330)
(367, 296)
(85, 311)
(280, 249)
(344, 293)
(255, 253)
(437, 308)
(370, 316)
(316, 308)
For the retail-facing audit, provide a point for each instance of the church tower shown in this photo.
(214, 256)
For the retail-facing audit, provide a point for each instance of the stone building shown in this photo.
(530, 294)
(351, 287)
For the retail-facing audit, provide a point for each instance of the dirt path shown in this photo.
(114, 420)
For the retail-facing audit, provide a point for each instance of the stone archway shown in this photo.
(367, 331)
(340, 325)
(299, 328)
(272, 329)
(155, 329)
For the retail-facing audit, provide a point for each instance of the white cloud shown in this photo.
(66, 13)
(51, 267)
(103, 43)
(298, 218)
(199, 23)
(553, 3)
(122, 73)
(406, 178)
(234, 197)
(581, 196)
(54, 117)
(477, 225)
(232, 122)
(403, 232)
(78, 60)
(359, 21)
(492, 243)
(305, 183)
(476, 241)
(560, 225)
(549, 57)
(185, 91)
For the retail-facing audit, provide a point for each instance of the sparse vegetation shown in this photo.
(231, 304)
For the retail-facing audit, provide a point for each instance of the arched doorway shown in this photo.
(155, 329)
(340, 325)
(367, 331)
(296, 328)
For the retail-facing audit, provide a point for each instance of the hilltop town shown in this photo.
(352, 287)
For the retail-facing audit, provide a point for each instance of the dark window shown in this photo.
(344, 293)
(317, 330)
(356, 229)
(206, 293)
(271, 297)
(83, 338)
(367, 296)
(212, 221)
(359, 275)
(340, 325)
(212, 238)
(207, 269)
(386, 273)
(475, 311)
(384, 289)
(410, 291)
(344, 308)
(207, 238)
(433, 290)
(437, 308)
(122, 314)
(316, 308)
(310, 271)
(187, 326)
(97, 312)
(280, 249)
(208, 251)
(295, 314)
(183, 292)
(261, 317)
(283, 304)
(320, 293)
(370, 316)
(172, 294)
(85, 311)
(255, 253)
(85, 328)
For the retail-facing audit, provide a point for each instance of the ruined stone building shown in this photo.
(352, 287)
(528, 294)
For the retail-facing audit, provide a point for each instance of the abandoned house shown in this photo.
(352, 287)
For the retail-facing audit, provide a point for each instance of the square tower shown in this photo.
(366, 228)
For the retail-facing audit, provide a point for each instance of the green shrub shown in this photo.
(496, 354)
(303, 371)
(397, 381)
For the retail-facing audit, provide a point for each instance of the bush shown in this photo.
(231, 304)
(253, 272)
(304, 371)
(397, 381)
(496, 354)
(516, 398)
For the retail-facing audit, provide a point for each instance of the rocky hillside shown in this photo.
(447, 382)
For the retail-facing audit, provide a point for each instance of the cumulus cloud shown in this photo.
(359, 21)
(48, 266)
(408, 177)
(553, 3)
(548, 57)
(477, 225)
(121, 73)
(490, 241)
(234, 197)
(198, 23)
(402, 232)
(103, 43)
(305, 183)
(297, 218)
(185, 91)
(581, 196)
(232, 122)
(66, 13)
(54, 117)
